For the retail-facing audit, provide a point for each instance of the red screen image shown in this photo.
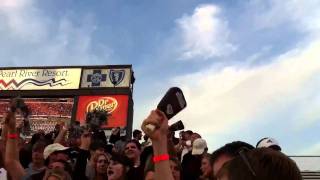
(45, 113)
(117, 105)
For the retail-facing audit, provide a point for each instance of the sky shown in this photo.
(248, 68)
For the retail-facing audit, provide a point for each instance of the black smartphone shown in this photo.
(172, 102)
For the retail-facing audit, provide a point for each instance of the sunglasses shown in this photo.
(242, 154)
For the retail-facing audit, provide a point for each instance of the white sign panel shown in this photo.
(93, 78)
(40, 79)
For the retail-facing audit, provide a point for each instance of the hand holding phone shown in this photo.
(171, 104)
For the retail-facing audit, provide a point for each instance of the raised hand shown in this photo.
(160, 123)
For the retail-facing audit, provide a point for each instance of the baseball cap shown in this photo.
(53, 148)
(268, 143)
(198, 147)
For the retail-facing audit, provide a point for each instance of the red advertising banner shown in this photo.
(117, 105)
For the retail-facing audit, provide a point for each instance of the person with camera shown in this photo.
(158, 135)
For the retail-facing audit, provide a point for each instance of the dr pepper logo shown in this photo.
(108, 104)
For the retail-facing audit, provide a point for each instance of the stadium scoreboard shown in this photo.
(54, 89)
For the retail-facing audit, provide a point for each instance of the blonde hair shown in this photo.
(58, 173)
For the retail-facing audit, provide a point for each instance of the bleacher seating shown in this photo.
(310, 175)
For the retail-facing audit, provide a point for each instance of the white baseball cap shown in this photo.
(268, 143)
(53, 148)
(198, 147)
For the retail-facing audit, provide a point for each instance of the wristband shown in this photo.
(12, 136)
(159, 158)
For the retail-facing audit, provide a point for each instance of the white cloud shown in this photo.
(29, 36)
(13, 4)
(21, 20)
(226, 101)
(302, 14)
(315, 149)
(204, 34)
(222, 103)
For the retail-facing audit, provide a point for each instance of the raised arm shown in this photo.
(12, 162)
(159, 143)
(62, 133)
(81, 162)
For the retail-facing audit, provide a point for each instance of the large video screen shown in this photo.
(45, 112)
(116, 105)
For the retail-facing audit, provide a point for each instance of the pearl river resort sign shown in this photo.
(63, 78)
(39, 79)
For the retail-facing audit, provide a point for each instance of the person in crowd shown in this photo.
(56, 174)
(115, 135)
(227, 153)
(194, 136)
(176, 168)
(119, 140)
(184, 146)
(191, 162)
(101, 161)
(55, 155)
(269, 143)
(159, 139)
(37, 164)
(25, 153)
(55, 131)
(137, 135)
(260, 164)
(146, 142)
(133, 151)
(96, 147)
(206, 167)
(118, 167)
(3, 171)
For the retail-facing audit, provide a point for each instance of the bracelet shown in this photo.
(12, 136)
(159, 158)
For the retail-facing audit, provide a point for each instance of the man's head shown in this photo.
(55, 152)
(132, 150)
(137, 134)
(199, 147)
(187, 135)
(262, 164)
(37, 152)
(268, 143)
(145, 137)
(226, 153)
(194, 136)
(97, 147)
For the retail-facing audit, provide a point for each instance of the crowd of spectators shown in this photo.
(39, 108)
(157, 154)
(44, 124)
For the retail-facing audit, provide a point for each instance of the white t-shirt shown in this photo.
(3, 174)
